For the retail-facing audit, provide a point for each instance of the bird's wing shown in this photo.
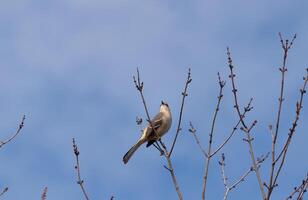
(157, 121)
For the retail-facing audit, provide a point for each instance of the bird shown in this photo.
(161, 123)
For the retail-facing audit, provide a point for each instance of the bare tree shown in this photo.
(275, 153)
(278, 158)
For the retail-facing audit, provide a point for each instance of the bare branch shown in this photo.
(2, 143)
(299, 190)
(246, 109)
(241, 117)
(80, 182)
(226, 140)
(139, 86)
(184, 94)
(4, 191)
(241, 179)
(194, 132)
(299, 106)
(285, 46)
(209, 151)
(44, 194)
(21, 125)
(223, 164)
(224, 177)
(283, 152)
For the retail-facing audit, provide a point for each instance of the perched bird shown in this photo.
(161, 123)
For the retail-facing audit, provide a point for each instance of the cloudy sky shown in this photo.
(68, 66)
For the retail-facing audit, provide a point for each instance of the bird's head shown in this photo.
(164, 106)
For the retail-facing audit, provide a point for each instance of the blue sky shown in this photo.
(68, 66)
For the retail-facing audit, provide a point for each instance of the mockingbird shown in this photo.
(161, 123)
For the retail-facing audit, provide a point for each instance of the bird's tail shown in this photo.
(131, 151)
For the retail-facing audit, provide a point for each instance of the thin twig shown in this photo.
(299, 106)
(226, 140)
(245, 127)
(139, 86)
(184, 94)
(209, 151)
(300, 190)
(194, 132)
(4, 191)
(224, 177)
(241, 179)
(246, 109)
(285, 46)
(21, 125)
(283, 153)
(44, 194)
(223, 164)
(80, 182)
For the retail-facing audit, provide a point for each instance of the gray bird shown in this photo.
(161, 123)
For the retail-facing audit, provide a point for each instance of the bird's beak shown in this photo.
(162, 102)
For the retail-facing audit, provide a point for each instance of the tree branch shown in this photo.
(209, 151)
(80, 182)
(21, 125)
(241, 117)
(285, 46)
(139, 86)
(184, 94)
(241, 179)
(246, 109)
(194, 133)
(4, 191)
(44, 194)
(300, 190)
(283, 153)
